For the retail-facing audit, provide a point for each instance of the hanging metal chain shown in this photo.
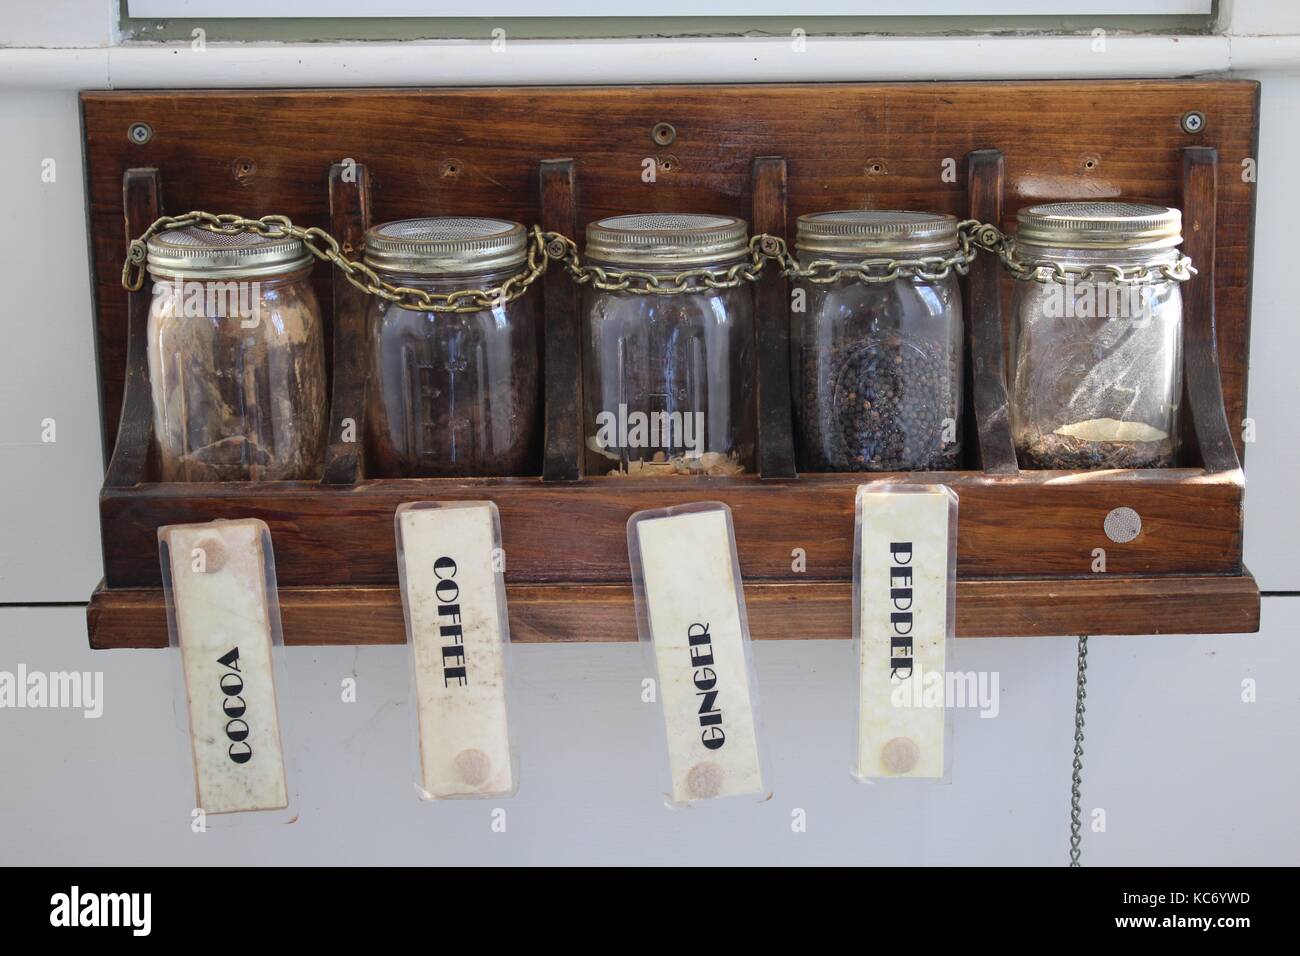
(635, 282)
(885, 270)
(993, 239)
(1076, 779)
(324, 246)
(972, 236)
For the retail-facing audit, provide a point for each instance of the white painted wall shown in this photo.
(1185, 771)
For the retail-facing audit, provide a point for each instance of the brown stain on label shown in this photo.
(473, 767)
(704, 780)
(900, 755)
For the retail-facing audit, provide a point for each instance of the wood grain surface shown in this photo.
(597, 613)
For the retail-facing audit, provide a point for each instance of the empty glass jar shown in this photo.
(454, 393)
(1097, 362)
(669, 377)
(236, 357)
(876, 362)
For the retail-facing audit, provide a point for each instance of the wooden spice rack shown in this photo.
(564, 156)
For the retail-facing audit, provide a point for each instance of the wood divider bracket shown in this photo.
(772, 327)
(129, 463)
(985, 366)
(349, 190)
(1202, 380)
(562, 455)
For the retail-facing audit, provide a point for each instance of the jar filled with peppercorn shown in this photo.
(876, 341)
(454, 392)
(668, 346)
(1098, 335)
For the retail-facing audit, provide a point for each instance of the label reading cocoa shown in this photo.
(687, 565)
(454, 598)
(223, 627)
(902, 629)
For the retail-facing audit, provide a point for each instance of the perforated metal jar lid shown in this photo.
(1100, 225)
(446, 245)
(667, 239)
(870, 232)
(198, 253)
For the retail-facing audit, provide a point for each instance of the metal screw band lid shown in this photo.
(1100, 225)
(667, 239)
(869, 232)
(446, 245)
(193, 252)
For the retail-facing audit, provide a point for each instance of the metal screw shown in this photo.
(140, 133)
(664, 134)
(1193, 121)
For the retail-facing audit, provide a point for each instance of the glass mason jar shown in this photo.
(454, 394)
(1096, 364)
(876, 367)
(236, 357)
(668, 378)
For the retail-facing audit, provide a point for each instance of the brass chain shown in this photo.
(884, 270)
(1043, 270)
(324, 246)
(761, 248)
(972, 236)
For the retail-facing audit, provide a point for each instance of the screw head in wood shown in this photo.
(139, 133)
(1193, 121)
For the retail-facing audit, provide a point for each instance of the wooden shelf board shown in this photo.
(578, 613)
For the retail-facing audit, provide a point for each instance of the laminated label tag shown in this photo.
(456, 624)
(223, 625)
(905, 591)
(693, 608)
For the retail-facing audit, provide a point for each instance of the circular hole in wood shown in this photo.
(1122, 525)
(664, 134)
(876, 167)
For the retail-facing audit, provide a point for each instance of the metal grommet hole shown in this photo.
(1122, 525)
(664, 134)
(139, 133)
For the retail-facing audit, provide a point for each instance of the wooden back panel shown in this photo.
(476, 151)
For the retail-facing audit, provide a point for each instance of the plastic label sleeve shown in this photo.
(224, 629)
(905, 591)
(456, 624)
(690, 597)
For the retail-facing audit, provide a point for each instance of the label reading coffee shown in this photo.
(454, 598)
(903, 582)
(223, 626)
(688, 570)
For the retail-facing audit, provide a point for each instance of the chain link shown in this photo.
(884, 270)
(993, 239)
(761, 248)
(324, 246)
(543, 247)
(1076, 779)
